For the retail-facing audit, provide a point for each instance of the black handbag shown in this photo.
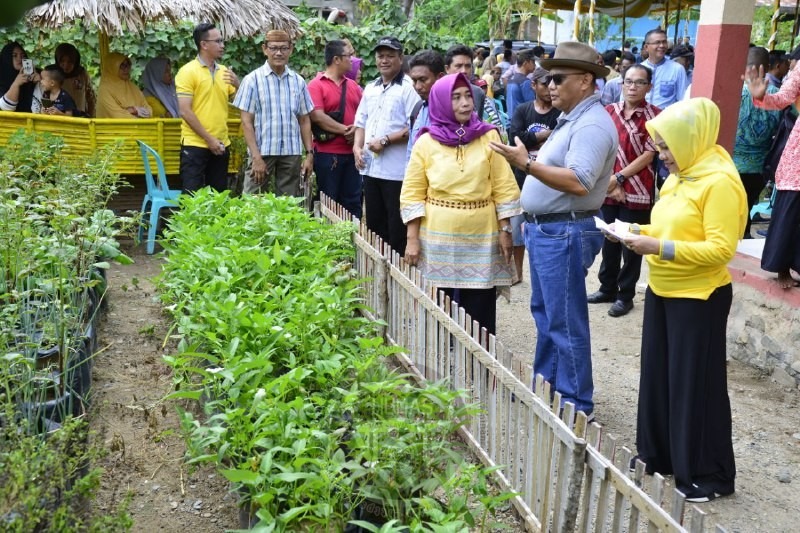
(322, 135)
(778, 144)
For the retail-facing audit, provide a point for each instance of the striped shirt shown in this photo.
(385, 110)
(633, 142)
(276, 101)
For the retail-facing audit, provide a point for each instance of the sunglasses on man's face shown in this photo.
(558, 79)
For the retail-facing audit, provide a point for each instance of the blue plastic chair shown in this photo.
(764, 209)
(498, 103)
(158, 196)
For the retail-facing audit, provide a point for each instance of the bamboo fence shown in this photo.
(568, 475)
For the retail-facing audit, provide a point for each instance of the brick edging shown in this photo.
(746, 269)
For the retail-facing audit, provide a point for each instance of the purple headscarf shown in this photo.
(443, 124)
(354, 68)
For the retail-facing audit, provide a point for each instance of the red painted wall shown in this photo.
(720, 60)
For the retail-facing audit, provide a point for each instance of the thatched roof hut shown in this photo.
(234, 18)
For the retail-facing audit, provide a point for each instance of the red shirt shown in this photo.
(633, 142)
(327, 96)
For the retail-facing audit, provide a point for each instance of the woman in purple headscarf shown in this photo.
(457, 199)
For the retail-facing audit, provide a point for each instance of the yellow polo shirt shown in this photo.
(210, 96)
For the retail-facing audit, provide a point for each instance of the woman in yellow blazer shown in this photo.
(684, 418)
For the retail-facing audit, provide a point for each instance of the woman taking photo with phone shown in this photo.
(16, 85)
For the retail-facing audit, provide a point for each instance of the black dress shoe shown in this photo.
(600, 297)
(620, 308)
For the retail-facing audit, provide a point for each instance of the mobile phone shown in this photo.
(27, 67)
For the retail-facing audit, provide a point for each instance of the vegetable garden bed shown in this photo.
(300, 413)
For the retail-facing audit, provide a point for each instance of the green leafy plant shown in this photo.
(299, 411)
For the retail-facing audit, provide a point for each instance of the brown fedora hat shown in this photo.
(575, 55)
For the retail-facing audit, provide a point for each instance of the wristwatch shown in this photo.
(385, 141)
(620, 178)
(507, 228)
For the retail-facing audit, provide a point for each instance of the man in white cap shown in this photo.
(564, 189)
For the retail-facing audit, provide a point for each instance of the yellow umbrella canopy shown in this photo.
(234, 18)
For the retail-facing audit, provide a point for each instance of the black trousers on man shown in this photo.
(615, 280)
(382, 202)
(683, 425)
(201, 168)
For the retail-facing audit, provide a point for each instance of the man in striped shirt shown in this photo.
(276, 107)
(631, 190)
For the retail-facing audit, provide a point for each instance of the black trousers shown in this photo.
(613, 279)
(479, 304)
(782, 248)
(200, 168)
(753, 185)
(683, 426)
(382, 202)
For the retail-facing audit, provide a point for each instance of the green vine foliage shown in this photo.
(242, 55)
(762, 29)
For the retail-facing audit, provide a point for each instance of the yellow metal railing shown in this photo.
(85, 135)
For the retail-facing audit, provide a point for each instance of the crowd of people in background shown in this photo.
(464, 159)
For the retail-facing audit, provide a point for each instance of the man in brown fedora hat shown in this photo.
(565, 186)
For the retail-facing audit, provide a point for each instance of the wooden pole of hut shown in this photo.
(677, 24)
(539, 24)
(775, 16)
(591, 23)
(624, 15)
(576, 28)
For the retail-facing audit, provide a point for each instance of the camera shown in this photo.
(27, 67)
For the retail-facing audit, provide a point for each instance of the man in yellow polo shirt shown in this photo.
(204, 88)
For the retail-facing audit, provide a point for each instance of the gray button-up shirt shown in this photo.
(584, 141)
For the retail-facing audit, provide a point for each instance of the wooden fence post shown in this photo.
(382, 296)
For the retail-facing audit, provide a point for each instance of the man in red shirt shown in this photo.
(334, 162)
(631, 189)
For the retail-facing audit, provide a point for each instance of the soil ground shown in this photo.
(145, 450)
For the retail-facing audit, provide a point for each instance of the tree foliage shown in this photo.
(762, 29)
(242, 55)
(464, 22)
(602, 23)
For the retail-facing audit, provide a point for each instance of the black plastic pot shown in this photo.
(79, 369)
(375, 511)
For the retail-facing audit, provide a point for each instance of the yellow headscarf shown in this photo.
(690, 129)
(115, 94)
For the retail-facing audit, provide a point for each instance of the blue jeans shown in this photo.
(560, 254)
(339, 179)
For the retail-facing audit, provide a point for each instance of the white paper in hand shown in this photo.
(621, 229)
